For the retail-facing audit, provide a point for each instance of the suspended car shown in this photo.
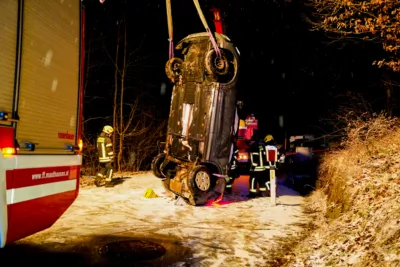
(203, 120)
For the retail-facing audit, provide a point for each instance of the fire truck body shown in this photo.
(40, 113)
(245, 133)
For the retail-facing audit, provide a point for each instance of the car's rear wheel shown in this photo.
(223, 67)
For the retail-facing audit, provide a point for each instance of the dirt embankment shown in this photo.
(356, 207)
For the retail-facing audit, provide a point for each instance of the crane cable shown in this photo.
(170, 29)
(205, 24)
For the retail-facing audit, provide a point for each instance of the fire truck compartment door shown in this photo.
(49, 88)
(8, 41)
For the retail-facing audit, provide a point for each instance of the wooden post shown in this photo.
(272, 183)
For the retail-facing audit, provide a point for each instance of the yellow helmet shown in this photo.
(268, 138)
(108, 129)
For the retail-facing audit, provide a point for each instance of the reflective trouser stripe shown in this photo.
(109, 178)
(252, 187)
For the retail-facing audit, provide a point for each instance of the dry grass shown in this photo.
(357, 204)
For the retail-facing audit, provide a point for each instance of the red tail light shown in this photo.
(243, 156)
(7, 145)
(8, 151)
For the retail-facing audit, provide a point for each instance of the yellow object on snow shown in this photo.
(150, 193)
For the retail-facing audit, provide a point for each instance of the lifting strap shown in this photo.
(204, 21)
(170, 29)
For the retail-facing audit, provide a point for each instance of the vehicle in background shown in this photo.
(247, 128)
(41, 78)
(301, 161)
(317, 145)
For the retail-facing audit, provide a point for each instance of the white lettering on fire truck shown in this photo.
(53, 174)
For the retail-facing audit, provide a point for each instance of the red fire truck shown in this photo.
(40, 113)
(245, 133)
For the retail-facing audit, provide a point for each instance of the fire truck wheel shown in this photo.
(218, 65)
(156, 164)
(200, 180)
(173, 69)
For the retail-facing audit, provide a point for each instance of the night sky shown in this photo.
(286, 69)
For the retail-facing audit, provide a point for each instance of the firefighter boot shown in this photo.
(109, 182)
(253, 187)
(265, 191)
(99, 180)
(252, 195)
(228, 189)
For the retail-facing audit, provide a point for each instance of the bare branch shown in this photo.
(373, 21)
(98, 118)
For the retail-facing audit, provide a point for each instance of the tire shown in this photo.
(222, 68)
(156, 164)
(173, 69)
(200, 180)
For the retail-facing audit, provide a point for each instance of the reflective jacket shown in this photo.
(104, 148)
(263, 156)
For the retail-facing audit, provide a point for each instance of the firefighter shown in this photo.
(233, 172)
(106, 157)
(259, 170)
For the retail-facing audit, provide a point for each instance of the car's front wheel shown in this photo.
(173, 69)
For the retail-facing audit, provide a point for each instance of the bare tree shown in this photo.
(371, 20)
(127, 121)
(145, 146)
(92, 64)
(376, 21)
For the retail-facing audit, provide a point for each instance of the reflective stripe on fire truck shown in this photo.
(17, 195)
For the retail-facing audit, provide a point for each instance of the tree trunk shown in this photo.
(116, 87)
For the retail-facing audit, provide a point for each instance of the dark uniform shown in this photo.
(261, 165)
(233, 172)
(106, 158)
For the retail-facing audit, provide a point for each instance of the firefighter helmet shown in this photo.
(108, 129)
(268, 138)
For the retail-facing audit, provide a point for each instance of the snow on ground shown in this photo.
(235, 232)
